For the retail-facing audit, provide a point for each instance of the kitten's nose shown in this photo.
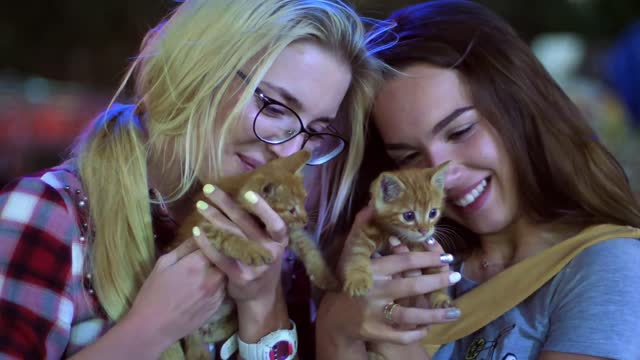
(424, 231)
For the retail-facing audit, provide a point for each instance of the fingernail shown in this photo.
(431, 241)
(453, 313)
(394, 241)
(203, 206)
(251, 197)
(446, 258)
(454, 277)
(208, 189)
(195, 231)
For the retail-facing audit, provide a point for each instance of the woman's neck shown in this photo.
(513, 244)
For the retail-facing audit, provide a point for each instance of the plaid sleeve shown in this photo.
(36, 310)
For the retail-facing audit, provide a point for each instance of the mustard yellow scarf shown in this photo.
(488, 301)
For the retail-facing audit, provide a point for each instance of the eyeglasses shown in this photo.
(276, 123)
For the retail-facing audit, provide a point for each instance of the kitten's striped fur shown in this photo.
(407, 205)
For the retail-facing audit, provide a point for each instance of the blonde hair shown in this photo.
(182, 76)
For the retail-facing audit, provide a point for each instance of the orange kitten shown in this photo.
(407, 205)
(280, 184)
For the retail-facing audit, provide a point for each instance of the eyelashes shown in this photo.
(407, 158)
(457, 135)
(461, 133)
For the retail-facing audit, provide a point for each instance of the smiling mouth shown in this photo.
(473, 194)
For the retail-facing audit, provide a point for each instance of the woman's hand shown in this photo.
(349, 322)
(256, 289)
(415, 350)
(180, 294)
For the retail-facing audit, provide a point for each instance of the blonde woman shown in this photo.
(80, 273)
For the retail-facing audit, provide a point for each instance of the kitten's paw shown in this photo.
(248, 252)
(358, 284)
(374, 356)
(256, 256)
(440, 300)
(194, 348)
(325, 281)
(197, 353)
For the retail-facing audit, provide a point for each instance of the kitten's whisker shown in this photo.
(445, 226)
(447, 232)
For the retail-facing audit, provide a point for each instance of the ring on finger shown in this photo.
(388, 310)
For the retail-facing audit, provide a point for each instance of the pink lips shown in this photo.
(249, 163)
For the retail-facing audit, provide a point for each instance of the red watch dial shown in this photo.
(281, 350)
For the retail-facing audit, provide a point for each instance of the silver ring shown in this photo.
(388, 311)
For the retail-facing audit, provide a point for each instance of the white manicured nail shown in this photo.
(454, 277)
(394, 241)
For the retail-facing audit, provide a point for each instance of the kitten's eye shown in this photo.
(409, 216)
(268, 189)
(433, 213)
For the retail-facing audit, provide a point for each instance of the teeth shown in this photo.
(472, 195)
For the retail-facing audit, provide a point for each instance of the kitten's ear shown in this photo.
(389, 187)
(439, 176)
(295, 162)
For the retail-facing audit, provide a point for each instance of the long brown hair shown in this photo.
(563, 173)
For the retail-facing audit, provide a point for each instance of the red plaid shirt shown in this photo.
(47, 310)
(47, 307)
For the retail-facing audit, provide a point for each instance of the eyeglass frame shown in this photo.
(267, 101)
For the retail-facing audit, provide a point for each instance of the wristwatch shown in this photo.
(278, 345)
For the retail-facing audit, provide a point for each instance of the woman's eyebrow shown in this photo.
(436, 129)
(287, 97)
(449, 118)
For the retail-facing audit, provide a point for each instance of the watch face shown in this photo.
(281, 350)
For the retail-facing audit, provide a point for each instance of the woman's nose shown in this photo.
(454, 174)
(289, 147)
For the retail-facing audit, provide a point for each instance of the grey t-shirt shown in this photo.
(591, 307)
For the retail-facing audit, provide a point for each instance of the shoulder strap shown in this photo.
(489, 301)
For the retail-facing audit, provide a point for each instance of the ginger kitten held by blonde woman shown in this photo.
(280, 184)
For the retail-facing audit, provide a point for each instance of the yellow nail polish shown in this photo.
(195, 231)
(208, 189)
(251, 197)
(202, 205)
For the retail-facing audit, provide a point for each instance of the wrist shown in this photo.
(261, 316)
(334, 340)
(132, 337)
(337, 341)
(277, 345)
(336, 347)
(398, 351)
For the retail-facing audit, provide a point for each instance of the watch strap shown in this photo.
(229, 347)
(278, 345)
